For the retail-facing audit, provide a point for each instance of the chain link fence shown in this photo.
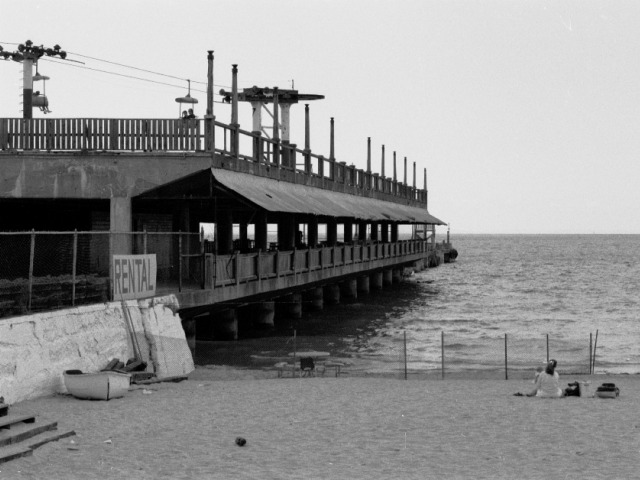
(48, 270)
(443, 355)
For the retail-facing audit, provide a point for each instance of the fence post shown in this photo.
(405, 354)
(442, 351)
(294, 354)
(180, 261)
(547, 348)
(75, 262)
(111, 285)
(506, 367)
(31, 260)
(590, 351)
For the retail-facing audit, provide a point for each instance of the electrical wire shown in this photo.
(127, 66)
(119, 74)
(128, 76)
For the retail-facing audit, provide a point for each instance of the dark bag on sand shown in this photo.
(608, 390)
(573, 390)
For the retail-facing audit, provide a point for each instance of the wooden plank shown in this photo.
(50, 438)
(11, 419)
(13, 453)
(24, 431)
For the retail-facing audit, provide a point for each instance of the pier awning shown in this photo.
(285, 197)
(279, 196)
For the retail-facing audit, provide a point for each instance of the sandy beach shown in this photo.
(336, 428)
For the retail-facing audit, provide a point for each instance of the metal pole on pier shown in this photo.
(442, 352)
(209, 122)
(405, 354)
(506, 367)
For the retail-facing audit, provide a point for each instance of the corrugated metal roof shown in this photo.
(277, 196)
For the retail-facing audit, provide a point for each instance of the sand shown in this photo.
(342, 428)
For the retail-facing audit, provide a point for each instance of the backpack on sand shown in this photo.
(608, 390)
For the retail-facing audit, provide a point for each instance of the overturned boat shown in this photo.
(97, 386)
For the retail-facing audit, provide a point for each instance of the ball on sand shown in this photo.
(240, 441)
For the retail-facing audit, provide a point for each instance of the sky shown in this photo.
(524, 113)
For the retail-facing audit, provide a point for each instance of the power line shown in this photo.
(136, 68)
(128, 76)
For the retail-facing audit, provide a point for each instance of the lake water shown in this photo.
(549, 294)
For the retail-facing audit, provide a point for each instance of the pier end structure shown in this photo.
(335, 223)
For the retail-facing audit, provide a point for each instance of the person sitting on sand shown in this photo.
(547, 383)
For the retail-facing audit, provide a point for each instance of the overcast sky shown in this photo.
(526, 114)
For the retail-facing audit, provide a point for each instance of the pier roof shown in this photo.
(285, 197)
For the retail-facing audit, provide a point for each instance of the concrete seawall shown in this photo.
(36, 349)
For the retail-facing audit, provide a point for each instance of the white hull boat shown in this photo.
(97, 386)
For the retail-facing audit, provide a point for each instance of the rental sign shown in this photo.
(134, 276)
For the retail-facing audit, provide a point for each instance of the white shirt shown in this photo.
(548, 385)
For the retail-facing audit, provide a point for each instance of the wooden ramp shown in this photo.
(20, 435)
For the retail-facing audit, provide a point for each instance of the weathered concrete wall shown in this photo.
(36, 349)
(92, 175)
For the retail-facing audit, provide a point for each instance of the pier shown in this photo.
(234, 217)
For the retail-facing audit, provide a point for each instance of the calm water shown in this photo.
(525, 286)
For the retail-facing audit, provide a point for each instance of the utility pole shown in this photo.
(29, 54)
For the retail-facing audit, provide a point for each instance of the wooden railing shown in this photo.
(224, 270)
(193, 135)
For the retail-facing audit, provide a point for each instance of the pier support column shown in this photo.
(332, 232)
(291, 305)
(225, 234)
(120, 221)
(189, 327)
(331, 294)
(314, 299)
(349, 288)
(387, 277)
(396, 276)
(362, 284)
(261, 232)
(348, 232)
(362, 231)
(221, 325)
(263, 314)
(313, 232)
(287, 233)
(244, 237)
(375, 281)
(385, 233)
(374, 231)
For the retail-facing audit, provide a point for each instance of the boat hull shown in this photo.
(97, 386)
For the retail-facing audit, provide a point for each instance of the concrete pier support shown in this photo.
(363, 284)
(291, 305)
(396, 275)
(189, 327)
(331, 294)
(120, 221)
(224, 325)
(313, 299)
(418, 265)
(349, 288)
(263, 314)
(375, 281)
(387, 277)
